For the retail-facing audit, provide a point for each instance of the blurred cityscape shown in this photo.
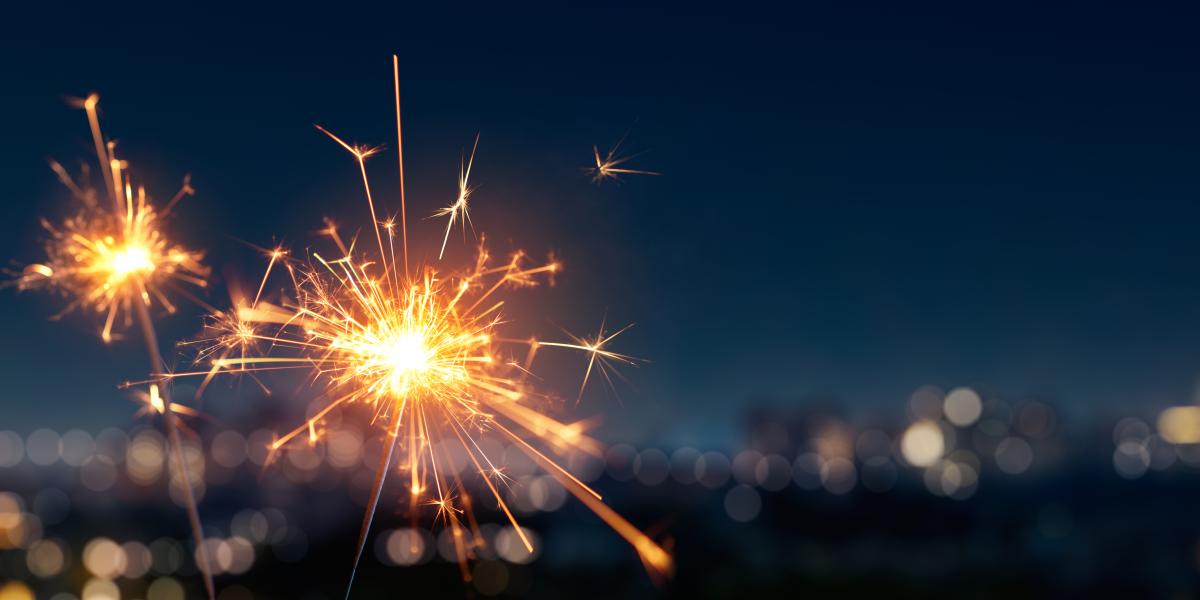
(848, 200)
(969, 495)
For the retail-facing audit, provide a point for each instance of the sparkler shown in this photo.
(425, 351)
(116, 260)
(608, 167)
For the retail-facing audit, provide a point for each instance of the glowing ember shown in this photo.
(609, 166)
(113, 254)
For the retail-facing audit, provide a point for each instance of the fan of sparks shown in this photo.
(110, 254)
(425, 352)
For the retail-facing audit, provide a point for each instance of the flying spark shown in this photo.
(428, 355)
(608, 166)
(599, 356)
(110, 256)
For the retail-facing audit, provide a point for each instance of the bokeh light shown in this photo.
(923, 443)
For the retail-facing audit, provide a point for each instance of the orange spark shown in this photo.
(608, 166)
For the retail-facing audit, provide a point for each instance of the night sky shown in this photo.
(855, 201)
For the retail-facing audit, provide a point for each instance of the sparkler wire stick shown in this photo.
(385, 463)
(172, 426)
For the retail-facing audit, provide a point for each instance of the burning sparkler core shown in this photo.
(133, 258)
(406, 353)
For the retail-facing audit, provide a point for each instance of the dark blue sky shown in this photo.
(856, 200)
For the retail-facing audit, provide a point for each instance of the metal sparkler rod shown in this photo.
(193, 510)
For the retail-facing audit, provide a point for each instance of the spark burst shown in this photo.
(425, 352)
(113, 258)
(608, 166)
